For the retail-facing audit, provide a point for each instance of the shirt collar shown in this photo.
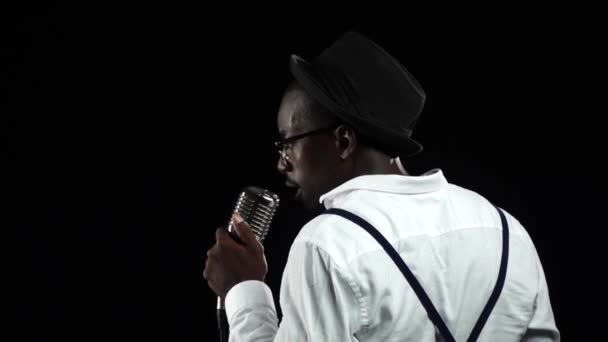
(398, 184)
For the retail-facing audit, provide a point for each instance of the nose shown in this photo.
(283, 165)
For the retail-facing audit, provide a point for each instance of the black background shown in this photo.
(129, 132)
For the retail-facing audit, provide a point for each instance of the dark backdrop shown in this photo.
(129, 132)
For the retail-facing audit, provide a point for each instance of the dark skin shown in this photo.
(316, 164)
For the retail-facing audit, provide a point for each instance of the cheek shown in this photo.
(301, 166)
(312, 166)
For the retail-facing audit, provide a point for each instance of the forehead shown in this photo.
(292, 111)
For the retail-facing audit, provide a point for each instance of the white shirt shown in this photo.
(340, 285)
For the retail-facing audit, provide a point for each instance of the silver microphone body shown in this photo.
(257, 207)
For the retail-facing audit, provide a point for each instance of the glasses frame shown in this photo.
(282, 143)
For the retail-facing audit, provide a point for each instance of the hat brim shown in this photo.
(392, 140)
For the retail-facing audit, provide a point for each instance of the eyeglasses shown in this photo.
(281, 145)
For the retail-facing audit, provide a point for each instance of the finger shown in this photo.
(220, 234)
(224, 241)
(211, 262)
(213, 286)
(211, 252)
(206, 272)
(244, 231)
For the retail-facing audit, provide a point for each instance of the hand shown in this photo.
(230, 262)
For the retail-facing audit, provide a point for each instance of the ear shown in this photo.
(346, 141)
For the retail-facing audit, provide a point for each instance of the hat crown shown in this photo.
(369, 81)
(365, 86)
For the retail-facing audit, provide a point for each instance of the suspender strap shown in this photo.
(415, 285)
(424, 299)
(500, 282)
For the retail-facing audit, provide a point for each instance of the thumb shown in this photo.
(243, 230)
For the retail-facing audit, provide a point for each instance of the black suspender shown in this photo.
(422, 296)
(500, 282)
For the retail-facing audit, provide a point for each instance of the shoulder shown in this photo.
(472, 205)
(338, 239)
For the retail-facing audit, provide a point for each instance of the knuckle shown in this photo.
(258, 248)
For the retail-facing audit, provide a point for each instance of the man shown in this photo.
(443, 264)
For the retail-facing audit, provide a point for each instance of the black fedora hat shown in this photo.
(366, 87)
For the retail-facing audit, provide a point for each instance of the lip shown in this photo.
(291, 184)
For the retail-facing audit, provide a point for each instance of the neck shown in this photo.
(375, 163)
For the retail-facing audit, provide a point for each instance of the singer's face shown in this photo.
(310, 167)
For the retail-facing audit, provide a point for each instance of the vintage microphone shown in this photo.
(257, 207)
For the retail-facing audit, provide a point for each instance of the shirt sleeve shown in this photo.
(319, 302)
(542, 327)
(251, 313)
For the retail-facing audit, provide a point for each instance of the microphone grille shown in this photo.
(257, 206)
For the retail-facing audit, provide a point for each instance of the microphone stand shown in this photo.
(222, 321)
